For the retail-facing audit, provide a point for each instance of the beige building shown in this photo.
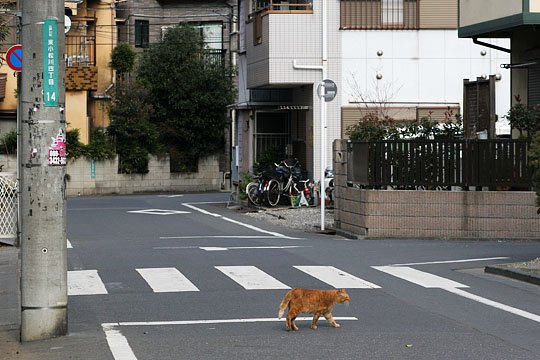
(90, 38)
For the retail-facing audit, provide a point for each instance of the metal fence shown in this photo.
(8, 208)
(439, 163)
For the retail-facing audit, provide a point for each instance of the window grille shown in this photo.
(379, 14)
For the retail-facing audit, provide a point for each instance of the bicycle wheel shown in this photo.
(273, 193)
(252, 191)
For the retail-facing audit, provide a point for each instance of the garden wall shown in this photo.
(102, 177)
(431, 214)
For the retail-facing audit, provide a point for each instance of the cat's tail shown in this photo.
(284, 304)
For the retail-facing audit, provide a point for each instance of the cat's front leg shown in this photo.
(331, 320)
(314, 321)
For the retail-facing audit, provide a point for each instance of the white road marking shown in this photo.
(452, 261)
(216, 248)
(69, 244)
(118, 343)
(495, 304)
(121, 350)
(85, 282)
(171, 196)
(158, 212)
(216, 321)
(337, 278)
(166, 280)
(433, 281)
(251, 278)
(418, 277)
(216, 237)
(238, 222)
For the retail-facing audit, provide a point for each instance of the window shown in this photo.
(392, 12)
(379, 14)
(142, 33)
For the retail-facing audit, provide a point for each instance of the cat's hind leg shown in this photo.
(330, 319)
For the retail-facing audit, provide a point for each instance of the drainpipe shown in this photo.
(323, 68)
(481, 43)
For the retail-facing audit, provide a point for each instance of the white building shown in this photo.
(405, 54)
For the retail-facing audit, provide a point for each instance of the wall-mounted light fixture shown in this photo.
(378, 76)
(380, 53)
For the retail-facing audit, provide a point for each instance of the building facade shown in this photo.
(401, 55)
(518, 21)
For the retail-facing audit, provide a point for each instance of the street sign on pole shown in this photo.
(14, 57)
(50, 62)
(330, 90)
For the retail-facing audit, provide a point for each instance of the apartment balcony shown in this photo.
(276, 34)
(496, 18)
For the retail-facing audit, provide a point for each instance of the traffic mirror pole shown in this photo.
(42, 171)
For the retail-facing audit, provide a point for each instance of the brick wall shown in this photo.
(81, 78)
(431, 214)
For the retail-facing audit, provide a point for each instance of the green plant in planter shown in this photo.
(525, 119)
(369, 128)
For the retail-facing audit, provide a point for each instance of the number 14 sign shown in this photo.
(50, 62)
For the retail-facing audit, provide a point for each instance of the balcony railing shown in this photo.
(379, 14)
(80, 50)
(291, 6)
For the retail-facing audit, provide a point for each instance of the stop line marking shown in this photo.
(121, 350)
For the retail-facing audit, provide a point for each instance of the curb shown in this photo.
(514, 274)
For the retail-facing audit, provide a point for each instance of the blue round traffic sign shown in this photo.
(14, 57)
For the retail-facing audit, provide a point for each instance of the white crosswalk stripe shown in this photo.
(170, 279)
(85, 282)
(336, 277)
(252, 278)
(166, 280)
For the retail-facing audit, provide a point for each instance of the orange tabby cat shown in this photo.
(316, 302)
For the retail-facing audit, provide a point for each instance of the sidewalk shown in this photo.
(9, 303)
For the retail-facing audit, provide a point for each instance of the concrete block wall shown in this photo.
(106, 180)
(431, 214)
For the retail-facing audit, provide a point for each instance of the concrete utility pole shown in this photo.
(42, 161)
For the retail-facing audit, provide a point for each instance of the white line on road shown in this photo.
(217, 248)
(85, 282)
(337, 278)
(121, 350)
(166, 280)
(118, 343)
(452, 261)
(433, 281)
(495, 304)
(69, 244)
(217, 237)
(215, 321)
(238, 222)
(418, 277)
(251, 278)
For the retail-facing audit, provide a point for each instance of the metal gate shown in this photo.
(8, 208)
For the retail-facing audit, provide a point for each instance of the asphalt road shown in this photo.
(183, 277)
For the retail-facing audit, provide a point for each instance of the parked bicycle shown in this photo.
(256, 190)
(285, 183)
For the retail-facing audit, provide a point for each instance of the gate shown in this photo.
(8, 208)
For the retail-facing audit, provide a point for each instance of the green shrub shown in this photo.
(9, 143)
